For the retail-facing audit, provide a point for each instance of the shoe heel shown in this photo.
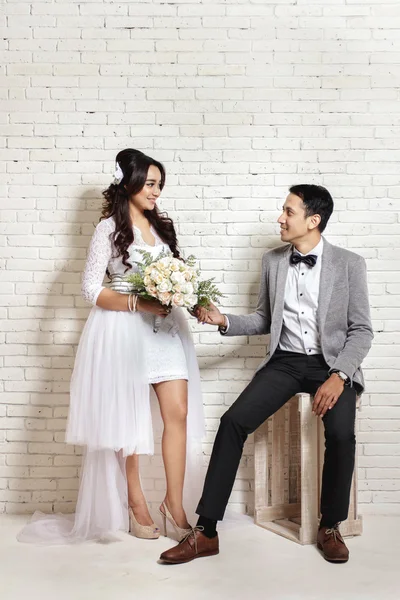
(166, 515)
(164, 522)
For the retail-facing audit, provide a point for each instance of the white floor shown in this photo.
(253, 564)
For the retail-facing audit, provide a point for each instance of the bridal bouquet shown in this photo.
(173, 282)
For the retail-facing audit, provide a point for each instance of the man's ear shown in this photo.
(315, 220)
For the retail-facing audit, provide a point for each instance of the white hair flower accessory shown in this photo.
(118, 174)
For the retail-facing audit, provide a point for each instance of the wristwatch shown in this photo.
(345, 378)
(223, 328)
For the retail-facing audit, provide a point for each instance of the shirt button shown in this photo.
(305, 332)
(302, 313)
(302, 273)
(310, 350)
(301, 294)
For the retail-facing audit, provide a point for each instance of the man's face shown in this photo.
(295, 226)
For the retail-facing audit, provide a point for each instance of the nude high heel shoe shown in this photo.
(146, 532)
(181, 531)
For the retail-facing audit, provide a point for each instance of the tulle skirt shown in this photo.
(111, 416)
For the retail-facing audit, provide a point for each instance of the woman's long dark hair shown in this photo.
(134, 166)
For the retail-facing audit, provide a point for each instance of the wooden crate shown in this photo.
(289, 454)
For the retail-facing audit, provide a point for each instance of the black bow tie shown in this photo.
(309, 259)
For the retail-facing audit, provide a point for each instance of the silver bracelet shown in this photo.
(135, 301)
(130, 308)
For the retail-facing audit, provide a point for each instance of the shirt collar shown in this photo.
(317, 250)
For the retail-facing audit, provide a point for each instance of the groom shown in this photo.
(313, 301)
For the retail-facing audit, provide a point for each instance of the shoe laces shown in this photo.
(335, 532)
(192, 532)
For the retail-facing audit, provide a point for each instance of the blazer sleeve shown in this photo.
(359, 333)
(99, 255)
(258, 322)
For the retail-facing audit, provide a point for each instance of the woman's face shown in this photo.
(147, 197)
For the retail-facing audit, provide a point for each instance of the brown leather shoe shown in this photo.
(194, 545)
(332, 545)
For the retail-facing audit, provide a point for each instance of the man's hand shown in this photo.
(327, 395)
(210, 315)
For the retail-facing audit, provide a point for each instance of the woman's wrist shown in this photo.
(132, 303)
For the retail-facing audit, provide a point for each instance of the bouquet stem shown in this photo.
(157, 323)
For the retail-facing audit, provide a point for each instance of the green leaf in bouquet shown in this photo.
(148, 260)
(136, 279)
(191, 260)
(208, 292)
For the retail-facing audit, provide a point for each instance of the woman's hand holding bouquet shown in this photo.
(173, 282)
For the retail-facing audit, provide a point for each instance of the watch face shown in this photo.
(342, 375)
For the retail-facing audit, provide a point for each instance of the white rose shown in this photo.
(164, 297)
(177, 277)
(177, 299)
(164, 286)
(192, 300)
(175, 264)
(188, 288)
(147, 280)
(156, 277)
(165, 262)
(186, 302)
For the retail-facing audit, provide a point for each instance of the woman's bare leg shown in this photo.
(173, 399)
(136, 498)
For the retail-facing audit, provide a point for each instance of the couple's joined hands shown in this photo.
(210, 315)
(327, 394)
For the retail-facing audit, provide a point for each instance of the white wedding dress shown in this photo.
(119, 356)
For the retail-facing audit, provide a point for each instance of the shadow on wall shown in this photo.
(48, 479)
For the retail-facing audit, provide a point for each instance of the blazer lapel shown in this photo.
(325, 284)
(281, 276)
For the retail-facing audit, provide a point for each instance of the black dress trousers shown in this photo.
(286, 374)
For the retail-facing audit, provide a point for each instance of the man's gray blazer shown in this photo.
(343, 313)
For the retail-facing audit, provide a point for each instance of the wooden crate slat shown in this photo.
(289, 454)
(278, 452)
(261, 483)
(309, 471)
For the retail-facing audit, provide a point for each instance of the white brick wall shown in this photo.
(240, 99)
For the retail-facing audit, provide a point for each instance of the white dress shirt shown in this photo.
(300, 329)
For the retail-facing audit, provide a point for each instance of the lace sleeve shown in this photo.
(99, 255)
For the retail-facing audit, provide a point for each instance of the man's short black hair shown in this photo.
(317, 201)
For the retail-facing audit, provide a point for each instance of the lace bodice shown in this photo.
(101, 257)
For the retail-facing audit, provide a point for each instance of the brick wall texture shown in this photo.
(239, 99)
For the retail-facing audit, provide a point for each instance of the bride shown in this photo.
(119, 357)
